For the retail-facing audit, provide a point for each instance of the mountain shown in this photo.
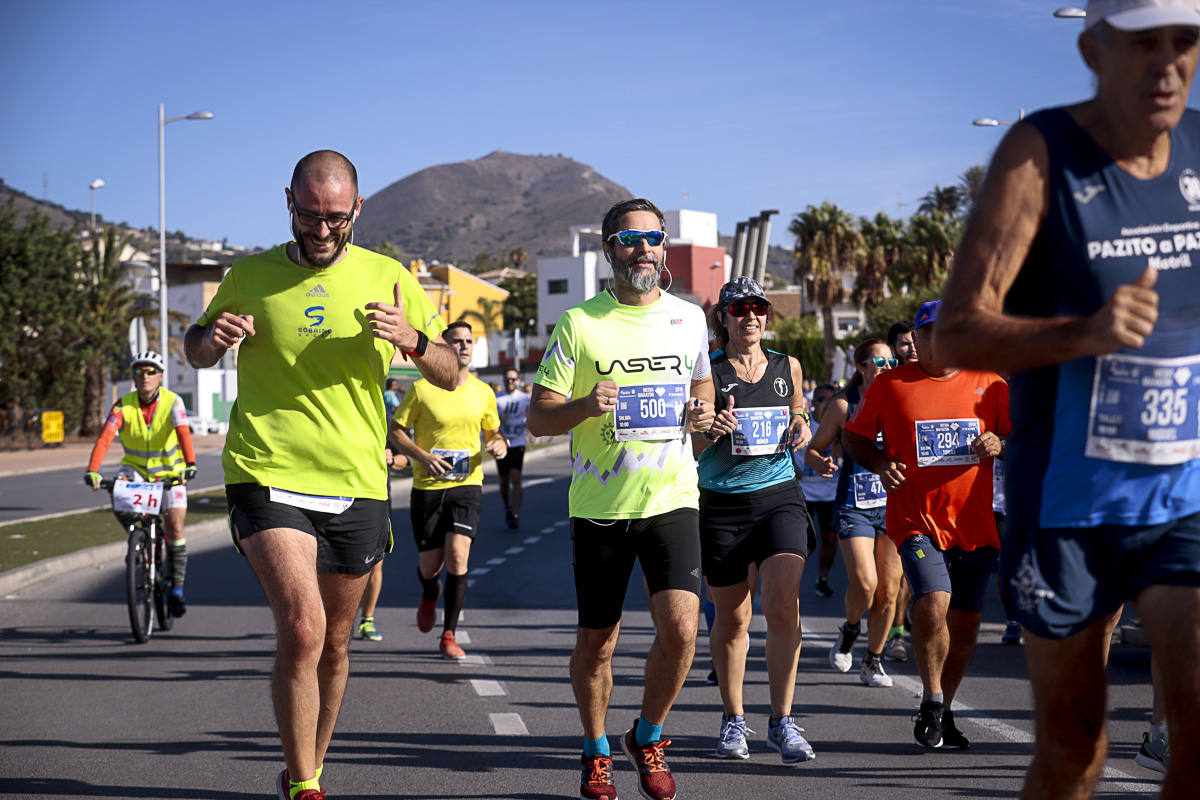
(59, 217)
(498, 202)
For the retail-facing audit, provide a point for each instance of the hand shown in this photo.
(986, 445)
(230, 329)
(92, 479)
(389, 323)
(828, 466)
(724, 422)
(1128, 317)
(498, 447)
(892, 476)
(798, 433)
(700, 415)
(436, 466)
(603, 399)
(189, 473)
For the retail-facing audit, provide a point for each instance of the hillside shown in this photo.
(498, 202)
(59, 217)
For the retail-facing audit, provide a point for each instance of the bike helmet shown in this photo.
(148, 357)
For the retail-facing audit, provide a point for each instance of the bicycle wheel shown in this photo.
(161, 613)
(139, 594)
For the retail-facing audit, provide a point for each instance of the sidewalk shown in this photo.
(76, 454)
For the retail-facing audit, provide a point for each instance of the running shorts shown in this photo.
(965, 574)
(865, 523)
(436, 512)
(744, 528)
(821, 514)
(515, 459)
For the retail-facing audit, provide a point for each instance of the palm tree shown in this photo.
(929, 245)
(518, 257)
(969, 183)
(946, 199)
(827, 246)
(883, 239)
(490, 315)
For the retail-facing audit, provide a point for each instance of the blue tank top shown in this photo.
(1110, 440)
(845, 495)
(722, 471)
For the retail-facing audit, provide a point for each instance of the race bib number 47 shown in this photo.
(1145, 410)
(946, 442)
(141, 498)
(650, 412)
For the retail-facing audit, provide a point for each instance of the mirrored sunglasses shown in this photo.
(147, 371)
(743, 307)
(880, 361)
(632, 238)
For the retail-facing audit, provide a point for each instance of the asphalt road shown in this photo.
(87, 713)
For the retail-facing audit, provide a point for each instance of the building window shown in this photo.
(557, 286)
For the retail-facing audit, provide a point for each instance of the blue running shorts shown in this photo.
(850, 522)
(965, 574)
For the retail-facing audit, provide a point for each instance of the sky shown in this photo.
(717, 106)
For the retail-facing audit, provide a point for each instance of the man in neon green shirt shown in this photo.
(627, 374)
(447, 478)
(318, 321)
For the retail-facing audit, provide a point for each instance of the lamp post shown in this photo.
(988, 122)
(94, 185)
(1070, 12)
(162, 232)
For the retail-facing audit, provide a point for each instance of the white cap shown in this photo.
(1139, 15)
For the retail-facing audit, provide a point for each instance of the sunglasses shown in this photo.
(880, 361)
(631, 238)
(309, 219)
(743, 307)
(146, 371)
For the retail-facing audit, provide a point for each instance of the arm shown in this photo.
(862, 450)
(204, 347)
(827, 433)
(702, 417)
(109, 432)
(438, 364)
(550, 414)
(798, 432)
(972, 330)
(436, 466)
(497, 445)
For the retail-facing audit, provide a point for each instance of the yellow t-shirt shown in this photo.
(450, 421)
(309, 415)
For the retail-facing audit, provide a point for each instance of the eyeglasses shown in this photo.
(631, 238)
(512, 380)
(146, 371)
(880, 361)
(743, 307)
(335, 222)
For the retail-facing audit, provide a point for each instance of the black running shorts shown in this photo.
(740, 529)
(515, 459)
(436, 512)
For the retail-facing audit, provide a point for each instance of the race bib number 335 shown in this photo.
(1145, 410)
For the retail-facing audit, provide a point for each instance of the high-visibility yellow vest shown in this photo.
(152, 450)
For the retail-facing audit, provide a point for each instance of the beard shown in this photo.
(638, 282)
(339, 240)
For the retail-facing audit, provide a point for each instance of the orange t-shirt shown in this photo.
(928, 424)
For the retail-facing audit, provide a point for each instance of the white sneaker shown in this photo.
(873, 675)
(894, 649)
(841, 656)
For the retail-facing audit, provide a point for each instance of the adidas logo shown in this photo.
(317, 291)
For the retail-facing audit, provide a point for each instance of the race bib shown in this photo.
(868, 490)
(650, 412)
(760, 431)
(141, 498)
(311, 502)
(1145, 410)
(946, 442)
(460, 463)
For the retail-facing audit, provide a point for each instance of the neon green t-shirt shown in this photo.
(450, 421)
(662, 344)
(309, 415)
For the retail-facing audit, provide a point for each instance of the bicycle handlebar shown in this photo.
(174, 480)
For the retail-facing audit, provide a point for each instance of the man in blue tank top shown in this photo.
(1076, 275)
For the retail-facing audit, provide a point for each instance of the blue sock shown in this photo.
(596, 747)
(710, 614)
(937, 697)
(646, 733)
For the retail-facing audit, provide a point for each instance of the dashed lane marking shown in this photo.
(533, 540)
(548, 530)
(486, 688)
(562, 523)
(508, 724)
(475, 660)
(462, 637)
(481, 570)
(495, 562)
(512, 551)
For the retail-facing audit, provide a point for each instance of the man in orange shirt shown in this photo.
(941, 431)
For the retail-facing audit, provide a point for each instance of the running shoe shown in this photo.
(449, 647)
(366, 630)
(596, 783)
(175, 603)
(732, 741)
(1012, 633)
(952, 737)
(927, 727)
(711, 678)
(654, 776)
(514, 522)
(840, 657)
(894, 649)
(787, 739)
(283, 790)
(427, 611)
(873, 675)
(823, 589)
(1154, 754)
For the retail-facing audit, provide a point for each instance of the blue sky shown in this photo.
(742, 106)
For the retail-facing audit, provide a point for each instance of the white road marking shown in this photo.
(508, 724)
(533, 540)
(495, 562)
(462, 637)
(536, 482)
(512, 551)
(475, 660)
(470, 582)
(562, 523)
(481, 570)
(547, 530)
(486, 688)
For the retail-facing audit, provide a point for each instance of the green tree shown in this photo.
(945, 199)
(929, 245)
(520, 309)
(883, 243)
(488, 313)
(969, 183)
(827, 245)
(517, 258)
(391, 251)
(899, 307)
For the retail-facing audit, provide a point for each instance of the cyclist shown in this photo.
(152, 425)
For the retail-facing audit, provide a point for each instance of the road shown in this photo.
(90, 714)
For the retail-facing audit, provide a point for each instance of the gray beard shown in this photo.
(638, 283)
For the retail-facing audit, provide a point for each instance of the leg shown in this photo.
(1171, 617)
(675, 613)
(930, 638)
(883, 604)
(858, 553)
(429, 562)
(518, 491)
(1069, 686)
(591, 676)
(173, 521)
(177, 557)
(963, 628)
(458, 551)
(371, 592)
(727, 640)
(340, 595)
(903, 600)
(780, 601)
(504, 483)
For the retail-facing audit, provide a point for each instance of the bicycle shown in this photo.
(137, 506)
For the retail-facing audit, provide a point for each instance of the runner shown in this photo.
(153, 427)
(1076, 276)
(447, 485)
(304, 471)
(900, 339)
(635, 361)
(941, 431)
(819, 492)
(872, 566)
(513, 403)
(752, 512)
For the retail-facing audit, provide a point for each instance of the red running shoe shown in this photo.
(427, 612)
(283, 790)
(654, 776)
(450, 648)
(596, 783)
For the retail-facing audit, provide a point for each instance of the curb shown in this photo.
(22, 577)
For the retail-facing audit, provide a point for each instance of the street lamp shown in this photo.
(1070, 12)
(94, 185)
(162, 231)
(988, 122)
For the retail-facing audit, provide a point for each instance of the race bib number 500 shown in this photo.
(946, 442)
(650, 412)
(1145, 410)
